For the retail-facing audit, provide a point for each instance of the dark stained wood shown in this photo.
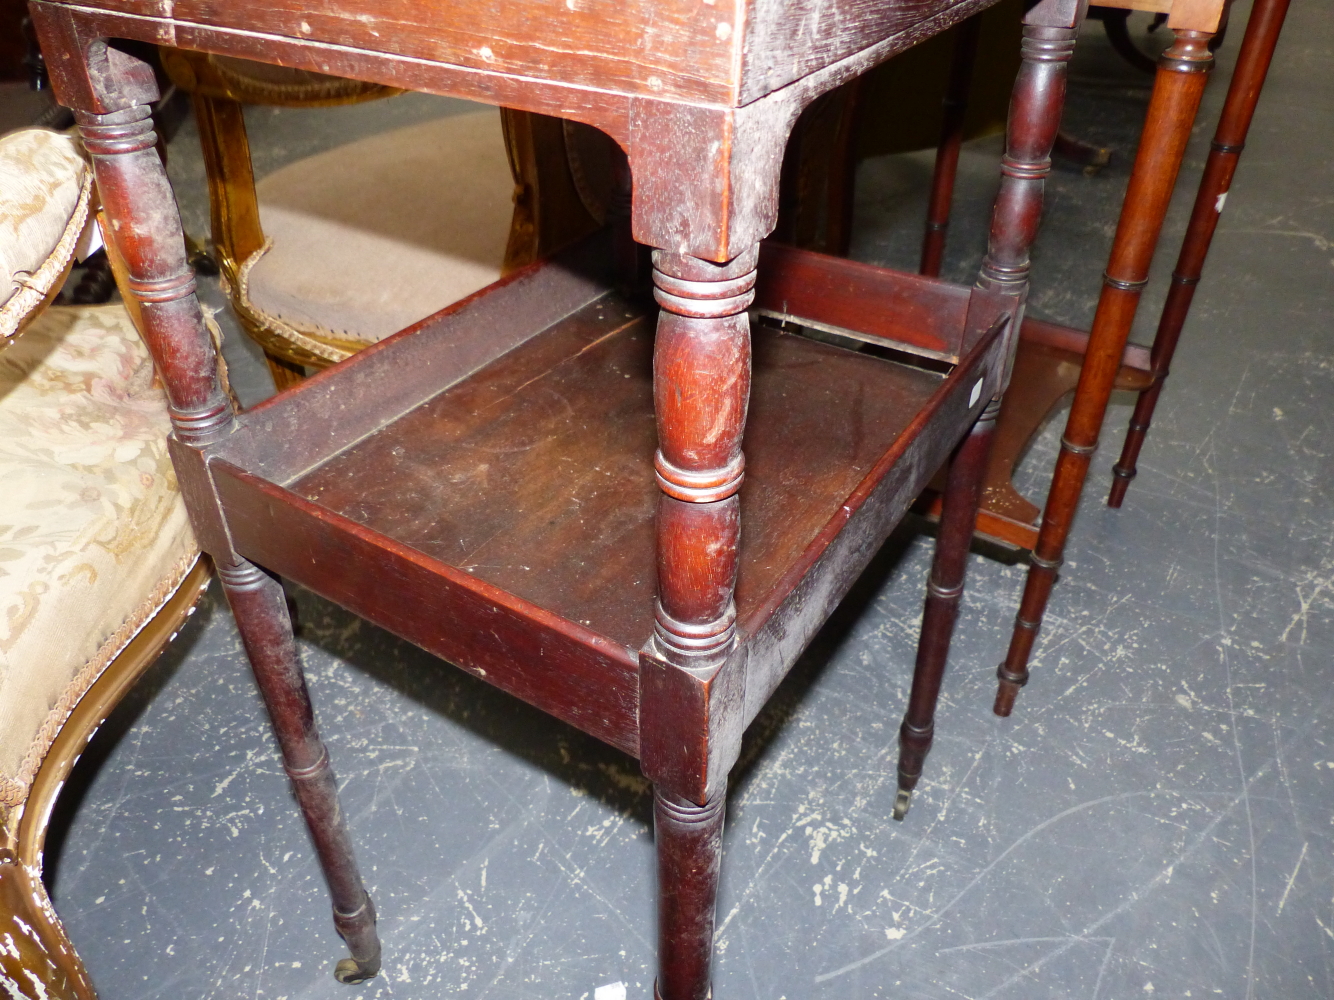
(1180, 83)
(1046, 370)
(864, 302)
(110, 92)
(689, 841)
(260, 607)
(684, 57)
(493, 490)
(1039, 95)
(943, 591)
(289, 433)
(534, 483)
(123, 147)
(779, 627)
(706, 172)
(701, 390)
(1248, 77)
(497, 636)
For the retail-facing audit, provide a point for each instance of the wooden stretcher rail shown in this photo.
(923, 316)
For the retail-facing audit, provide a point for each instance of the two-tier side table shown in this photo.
(543, 483)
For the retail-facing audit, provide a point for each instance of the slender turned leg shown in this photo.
(1257, 50)
(963, 492)
(1035, 114)
(146, 229)
(951, 138)
(1182, 72)
(266, 631)
(689, 842)
(690, 716)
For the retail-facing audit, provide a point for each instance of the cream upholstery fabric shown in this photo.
(45, 185)
(93, 532)
(372, 236)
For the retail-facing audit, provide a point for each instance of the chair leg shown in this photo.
(285, 373)
(1257, 50)
(260, 608)
(1182, 73)
(951, 139)
(963, 492)
(689, 841)
(37, 959)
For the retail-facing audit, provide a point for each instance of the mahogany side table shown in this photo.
(533, 483)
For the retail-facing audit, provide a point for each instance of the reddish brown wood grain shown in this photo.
(1248, 77)
(1176, 96)
(861, 300)
(260, 607)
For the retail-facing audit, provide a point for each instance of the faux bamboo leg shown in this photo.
(951, 138)
(963, 492)
(689, 841)
(266, 631)
(1182, 72)
(1257, 50)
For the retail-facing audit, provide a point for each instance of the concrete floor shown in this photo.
(1156, 819)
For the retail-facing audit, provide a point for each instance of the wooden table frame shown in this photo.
(705, 620)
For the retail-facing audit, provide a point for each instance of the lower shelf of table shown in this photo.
(506, 522)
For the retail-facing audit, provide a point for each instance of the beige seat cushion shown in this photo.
(370, 237)
(45, 185)
(93, 532)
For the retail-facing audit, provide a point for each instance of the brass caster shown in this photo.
(901, 803)
(350, 972)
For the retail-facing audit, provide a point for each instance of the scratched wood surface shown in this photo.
(536, 474)
(719, 51)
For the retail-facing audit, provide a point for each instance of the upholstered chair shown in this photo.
(98, 566)
(430, 204)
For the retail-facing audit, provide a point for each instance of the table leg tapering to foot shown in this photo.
(963, 491)
(1182, 72)
(260, 607)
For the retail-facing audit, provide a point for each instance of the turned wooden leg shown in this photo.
(691, 704)
(1257, 50)
(260, 608)
(963, 492)
(110, 93)
(1035, 113)
(689, 840)
(951, 139)
(1182, 73)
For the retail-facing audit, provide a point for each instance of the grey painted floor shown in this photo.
(1156, 819)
